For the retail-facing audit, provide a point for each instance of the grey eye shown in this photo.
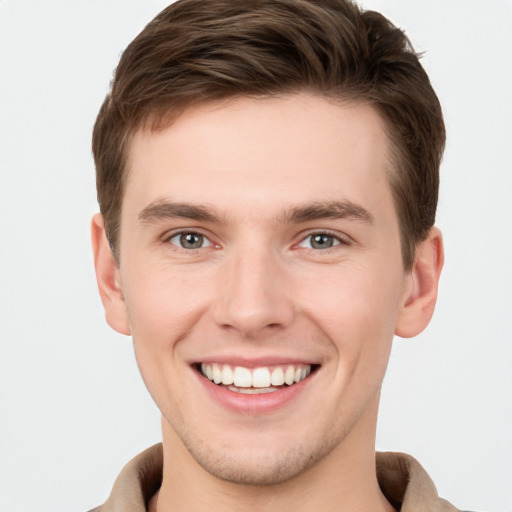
(319, 241)
(190, 240)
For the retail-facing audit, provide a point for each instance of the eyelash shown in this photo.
(180, 234)
(334, 238)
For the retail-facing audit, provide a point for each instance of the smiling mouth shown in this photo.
(255, 380)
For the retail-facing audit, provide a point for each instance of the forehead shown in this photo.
(274, 151)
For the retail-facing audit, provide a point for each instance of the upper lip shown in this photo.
(255, 362)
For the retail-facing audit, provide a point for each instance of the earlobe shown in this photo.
(108, 278)
(420, 298)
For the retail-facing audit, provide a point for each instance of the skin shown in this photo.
(259, 289)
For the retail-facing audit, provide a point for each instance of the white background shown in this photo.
(73, 409)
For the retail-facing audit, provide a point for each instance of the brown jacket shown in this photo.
(403, 481)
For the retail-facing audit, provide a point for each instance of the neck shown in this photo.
(343, 480)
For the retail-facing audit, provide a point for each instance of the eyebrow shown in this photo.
(327, 210)
(162, 209)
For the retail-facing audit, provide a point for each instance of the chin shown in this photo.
(260, 466)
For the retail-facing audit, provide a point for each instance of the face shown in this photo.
(261, 279)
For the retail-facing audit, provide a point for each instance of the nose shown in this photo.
(253, 298)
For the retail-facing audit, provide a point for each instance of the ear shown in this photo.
(108, 278)
(421, 295)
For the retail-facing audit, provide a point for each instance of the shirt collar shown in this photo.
(403, 481)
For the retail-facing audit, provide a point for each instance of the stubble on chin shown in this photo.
(262, 467)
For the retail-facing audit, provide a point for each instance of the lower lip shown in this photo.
(254, 404)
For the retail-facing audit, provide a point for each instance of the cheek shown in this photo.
(163, 304)
(163, 307)
(357, 310)
(353, 299)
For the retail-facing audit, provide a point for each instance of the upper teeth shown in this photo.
(262, 377)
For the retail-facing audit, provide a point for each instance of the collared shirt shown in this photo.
(403, 481)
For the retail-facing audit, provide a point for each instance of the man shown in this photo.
(267, 174)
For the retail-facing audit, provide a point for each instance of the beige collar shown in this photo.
(403, 481)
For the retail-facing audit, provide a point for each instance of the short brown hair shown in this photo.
(197, 51)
